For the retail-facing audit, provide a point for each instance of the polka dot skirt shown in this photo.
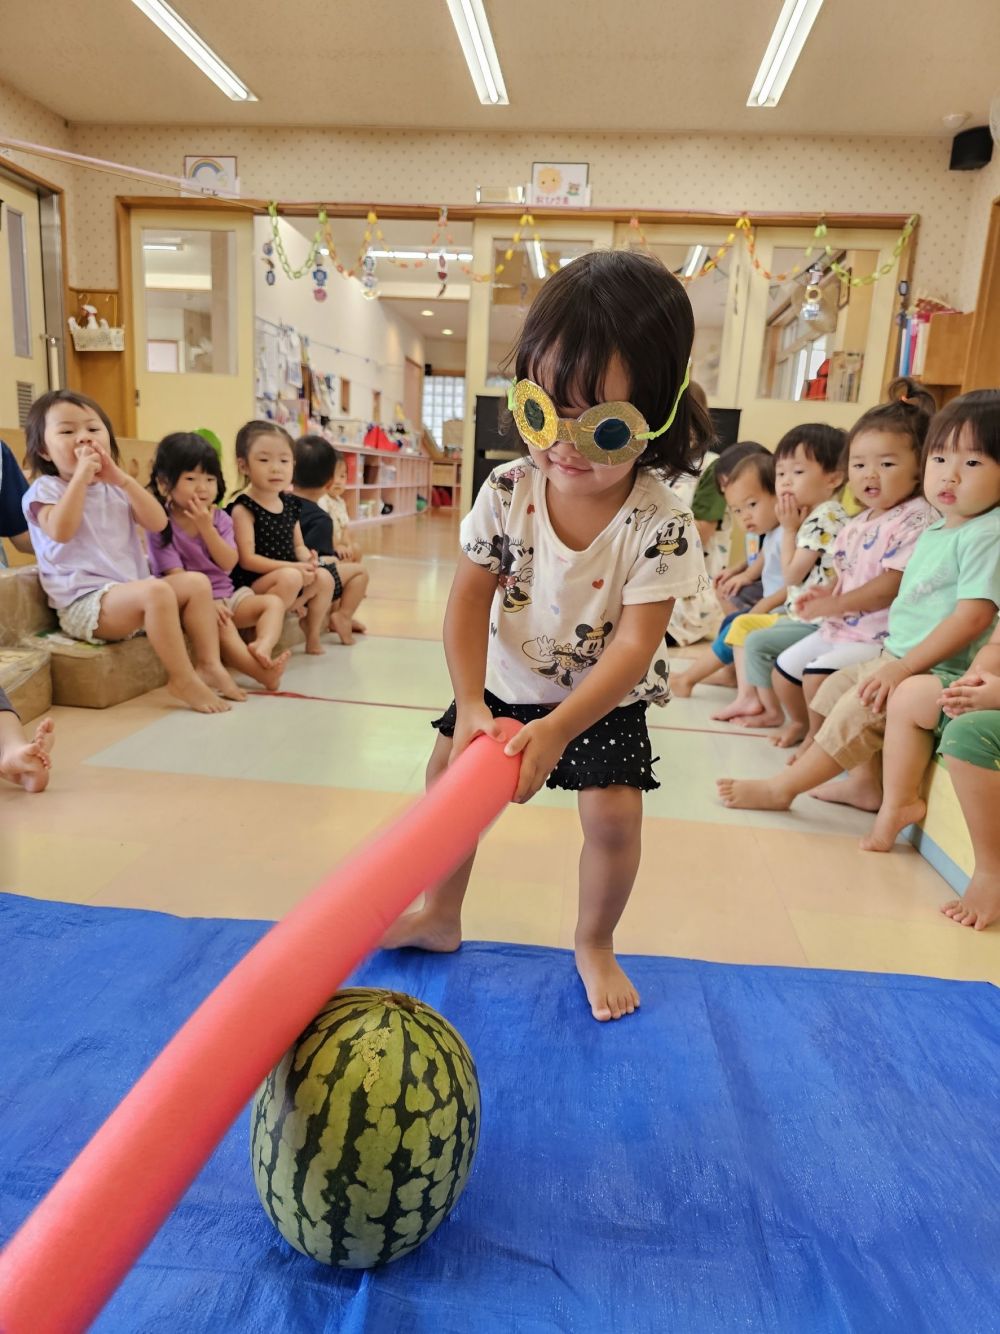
(614, 751)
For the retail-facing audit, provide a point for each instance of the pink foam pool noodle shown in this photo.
(75, 1248)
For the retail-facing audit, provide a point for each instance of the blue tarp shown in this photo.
(759, 1149)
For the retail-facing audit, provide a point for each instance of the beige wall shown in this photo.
(718, 172)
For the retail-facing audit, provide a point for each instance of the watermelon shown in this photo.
(362, 1138)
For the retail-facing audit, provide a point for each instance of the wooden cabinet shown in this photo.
(948, 336)
(447, 475)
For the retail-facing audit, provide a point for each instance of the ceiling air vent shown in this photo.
(25, 398)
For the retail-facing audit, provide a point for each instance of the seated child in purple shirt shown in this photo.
(187, 480)
(83, 512)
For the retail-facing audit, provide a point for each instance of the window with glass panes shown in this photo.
(444, 398)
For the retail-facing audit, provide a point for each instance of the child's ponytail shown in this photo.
(908, 412)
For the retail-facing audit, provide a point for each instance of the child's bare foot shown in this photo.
(217, 678)
(193, 692)
(358, 627)
(340, 624)
(609, 991)
(790, 735)
(314, 646)
(270, 678)
(857, 790)
(756, 794)
(889, 824)
(681, 687)
(422, 930)
(28, 765)
(763, 719)
(740, 708)
(263, 652)
(979, 907)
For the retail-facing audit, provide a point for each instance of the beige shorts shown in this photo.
(233, 601)
(79, 619)
(852, 733)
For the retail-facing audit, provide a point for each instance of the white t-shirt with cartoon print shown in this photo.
(556, 609)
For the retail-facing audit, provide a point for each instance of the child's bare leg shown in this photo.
(355, 584)
(612, 845)
(978, 792)
(862, 788)
(778, 793)
(771, 715)
(747, 701)
(201, 621)
(704, 665)
(151, 604)
(317, 597)
(791, 698)
(725, 676)
(911, 718)
(265, 612)
(437, 926)
(811, 682)
(23, 762)
(237, 656)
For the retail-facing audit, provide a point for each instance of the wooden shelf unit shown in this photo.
(376, 477)
(447, 473)
(948, 339)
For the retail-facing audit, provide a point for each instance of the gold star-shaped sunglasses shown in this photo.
(609, 433)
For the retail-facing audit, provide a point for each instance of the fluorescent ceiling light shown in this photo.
(187, 40)
(695, 260)
(463, 256)
(472, 26)
(537, 259)
(427, 312)
(783, 50)
(161, 245)
(449, 332)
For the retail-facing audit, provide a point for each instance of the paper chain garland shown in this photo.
(322, 246)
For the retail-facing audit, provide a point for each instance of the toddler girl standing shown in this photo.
(273, 558)
(572, 559)
(82, 510)
(187, 480)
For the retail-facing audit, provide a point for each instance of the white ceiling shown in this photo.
(892, 68)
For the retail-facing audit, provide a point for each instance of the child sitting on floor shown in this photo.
(83, 512)
(187, 480)
(809, 475)
(869, 557)
(942, 615)
(345, 547)
(315, 463)
(749, 493)
(24, 762)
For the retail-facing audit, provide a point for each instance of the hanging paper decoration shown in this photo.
(319, 276)
(812, 306)
(369, 278)
(442, 274)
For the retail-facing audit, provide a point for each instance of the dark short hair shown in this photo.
(34, 428)
(176, 454)
(251, 431)
(825, 444)
(315, 461)
(977, 414)
(733, 455)
(760, 464)
(622, 303)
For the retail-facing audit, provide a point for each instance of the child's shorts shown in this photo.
(240, 595)
(338, 583)
(79, 619)
(746, 624)
(614, 751)
(974, 738)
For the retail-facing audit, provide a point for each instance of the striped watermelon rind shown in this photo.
(363, 1137)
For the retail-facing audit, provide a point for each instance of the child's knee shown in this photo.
(158, 594)
(612, 817)
(288, 583)
(324, 584)
(193, 585)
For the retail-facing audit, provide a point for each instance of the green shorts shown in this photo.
(974, 738)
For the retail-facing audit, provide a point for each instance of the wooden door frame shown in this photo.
(982, 365)
(59, 297)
